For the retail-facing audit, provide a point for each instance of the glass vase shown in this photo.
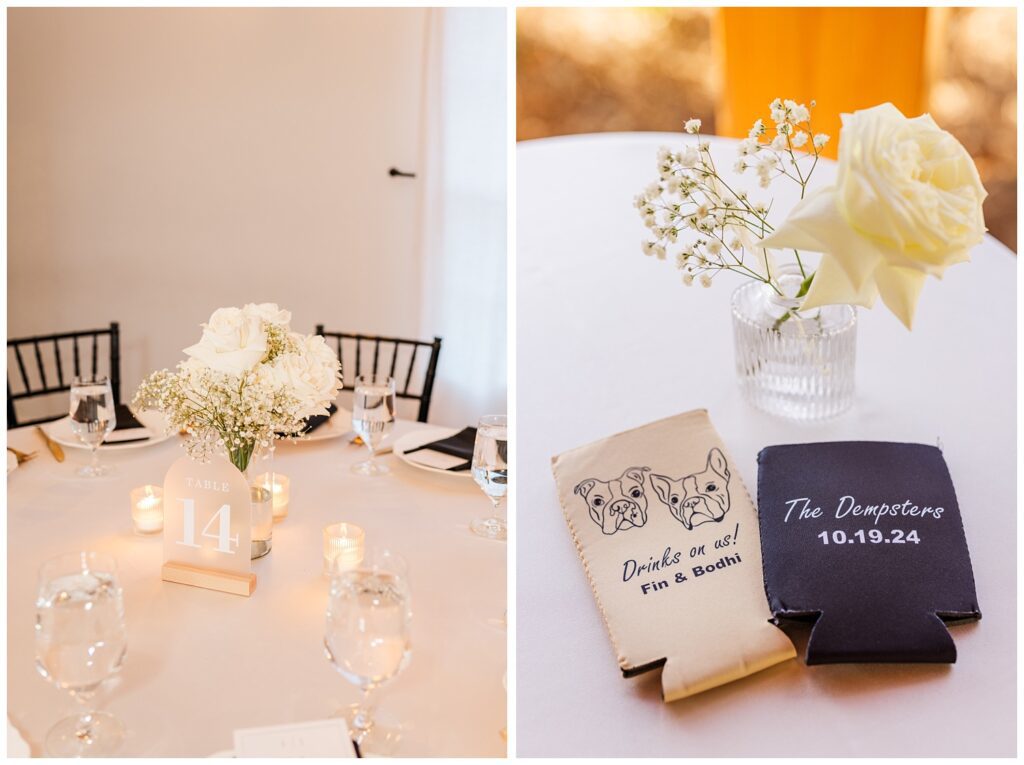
(793, 364)
(261, 500)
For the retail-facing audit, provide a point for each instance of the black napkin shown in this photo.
(459, 445)
(865, 539)
(130, 430)
(314, 422)
(126, 420)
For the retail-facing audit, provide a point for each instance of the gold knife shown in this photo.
(53, 446)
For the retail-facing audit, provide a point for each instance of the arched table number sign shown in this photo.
(207, 526)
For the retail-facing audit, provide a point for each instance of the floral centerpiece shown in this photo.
(248, 381)
(906, 204)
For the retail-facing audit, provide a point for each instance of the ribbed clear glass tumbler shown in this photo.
(797, 365)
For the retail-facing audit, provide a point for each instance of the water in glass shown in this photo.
(80, 641)
(367, 638)
(490, 471)
(93, 417)
(373, 417)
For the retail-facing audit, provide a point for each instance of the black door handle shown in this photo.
(396, 173)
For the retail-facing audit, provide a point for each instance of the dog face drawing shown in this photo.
(620, 503)
(698, 498)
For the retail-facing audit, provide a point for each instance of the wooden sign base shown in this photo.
(211, 579)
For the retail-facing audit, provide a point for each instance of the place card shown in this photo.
(667, 534)
(319, 738)
(207, 531)
(865, 540)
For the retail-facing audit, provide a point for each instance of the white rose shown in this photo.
(906, 204)
(269, 312)
(233, 341)
(311, 374)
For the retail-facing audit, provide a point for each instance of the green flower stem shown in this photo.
(241, 454)
(801, 264)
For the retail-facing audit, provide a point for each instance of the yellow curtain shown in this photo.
(843, 58)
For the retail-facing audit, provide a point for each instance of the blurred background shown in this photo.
(590, 70)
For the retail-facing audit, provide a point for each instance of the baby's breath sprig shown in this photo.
(237, 413)
(691, 195)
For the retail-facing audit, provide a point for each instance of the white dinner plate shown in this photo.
(420, 437)
(338, 425)
(154, 422)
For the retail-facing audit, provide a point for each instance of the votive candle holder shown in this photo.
(147, 507)
(344, 547)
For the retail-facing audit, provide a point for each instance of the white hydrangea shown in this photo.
(249, 381)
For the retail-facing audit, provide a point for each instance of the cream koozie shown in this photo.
(668, 536)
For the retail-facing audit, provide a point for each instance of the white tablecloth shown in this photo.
(607, 340)
(201, 664)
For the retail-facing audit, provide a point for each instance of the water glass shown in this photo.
(490, 471)
(367, 638)
(93, 417)
(373, 417)
(80, 641)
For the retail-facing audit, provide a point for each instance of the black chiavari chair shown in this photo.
(372, 354)
(37, 366)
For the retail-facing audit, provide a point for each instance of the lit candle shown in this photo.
(277, 485)
(147, 507)
(343, 547)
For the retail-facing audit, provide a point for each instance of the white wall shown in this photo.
(164, 162)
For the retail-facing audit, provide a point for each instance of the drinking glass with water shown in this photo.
(373, 417)
(80, 641)
(490, 471)
(367, 637)
(93, 417)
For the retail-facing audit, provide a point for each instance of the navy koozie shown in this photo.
(865, 539)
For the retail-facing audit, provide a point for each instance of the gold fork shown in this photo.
(21, 456)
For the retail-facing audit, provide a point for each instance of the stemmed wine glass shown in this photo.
(367, 639)
(373, 417)
(93, 417)
(80, 641)
(490, 471)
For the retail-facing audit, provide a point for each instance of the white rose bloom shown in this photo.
(233, 341)
(269, 312)
(906, 204)
(311, 374)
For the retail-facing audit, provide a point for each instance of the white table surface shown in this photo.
(590, 305)
(201, 664)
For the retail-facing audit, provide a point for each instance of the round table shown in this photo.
(201, 664)
(608, 340)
